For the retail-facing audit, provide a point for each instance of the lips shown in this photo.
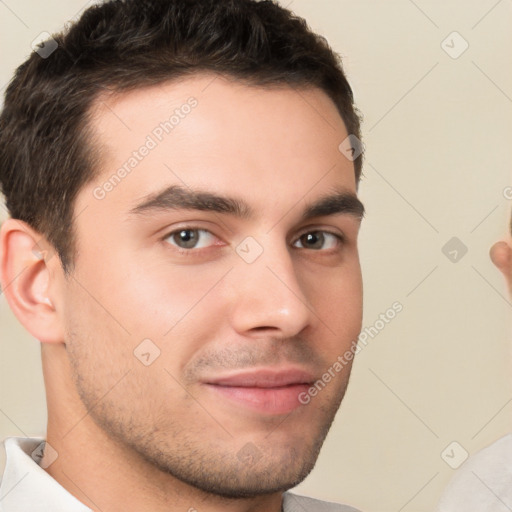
(267, 391)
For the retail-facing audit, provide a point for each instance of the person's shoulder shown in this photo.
(484, 480)
(295, 503)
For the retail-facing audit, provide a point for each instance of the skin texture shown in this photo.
(119, 425)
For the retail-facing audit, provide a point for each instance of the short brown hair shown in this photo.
(46, 150)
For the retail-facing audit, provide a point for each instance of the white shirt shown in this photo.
(27, 487)
(483, 483)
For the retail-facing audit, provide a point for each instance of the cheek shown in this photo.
(338, 295)
(145, 296)
(162, 297)
(121, 368)
(97, 347)
(338, 303)
(177, 307)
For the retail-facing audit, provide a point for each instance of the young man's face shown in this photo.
(232, 312)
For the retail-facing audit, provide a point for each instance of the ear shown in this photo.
(26, 278)
(501, 256)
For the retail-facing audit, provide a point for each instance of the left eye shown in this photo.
(317, 239)
(190, 238)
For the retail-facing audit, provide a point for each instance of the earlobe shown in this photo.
(501, 256)
(25, 278)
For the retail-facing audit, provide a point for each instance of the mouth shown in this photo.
(266, 391)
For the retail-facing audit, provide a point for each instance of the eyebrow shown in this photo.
(176, 197)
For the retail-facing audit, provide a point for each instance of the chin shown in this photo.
(245, 473)
(242, 481)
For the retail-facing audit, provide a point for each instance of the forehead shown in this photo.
(217, 134)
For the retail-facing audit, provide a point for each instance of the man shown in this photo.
(484, 482)
(181, 177)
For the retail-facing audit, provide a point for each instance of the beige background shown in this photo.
(437, 132)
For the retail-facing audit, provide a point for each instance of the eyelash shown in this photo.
(193, 252)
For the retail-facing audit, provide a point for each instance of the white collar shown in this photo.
(27, 486)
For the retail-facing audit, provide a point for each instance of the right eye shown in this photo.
(190, 238)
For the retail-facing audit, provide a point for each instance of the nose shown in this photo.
(268, 296)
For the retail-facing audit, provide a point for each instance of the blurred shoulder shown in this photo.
(483, 482)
